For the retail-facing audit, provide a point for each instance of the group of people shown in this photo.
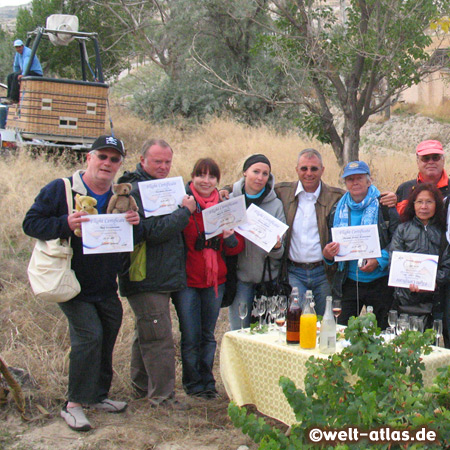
(175, 261)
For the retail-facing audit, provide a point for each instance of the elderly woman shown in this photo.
(198, 305)
(366, 283)
(257, 185)
(422, 231)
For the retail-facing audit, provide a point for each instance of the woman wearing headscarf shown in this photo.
(257, 185)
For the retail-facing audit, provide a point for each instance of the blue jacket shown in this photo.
(21, 61)
(47, 219)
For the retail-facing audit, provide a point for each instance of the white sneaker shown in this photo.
(75, 418)
(111, 406)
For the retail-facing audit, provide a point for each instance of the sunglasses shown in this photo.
(312, 169)
(427, 158)
(103, 157)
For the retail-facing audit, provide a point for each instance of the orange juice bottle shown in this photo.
(308, 324)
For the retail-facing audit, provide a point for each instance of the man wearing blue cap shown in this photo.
(364, 282)
(20, 65)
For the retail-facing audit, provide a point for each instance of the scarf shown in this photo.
(209, 255)
(369, 205)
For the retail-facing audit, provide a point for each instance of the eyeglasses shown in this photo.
(103, 157)
(434, 157)
(312, 169)
(424, 202)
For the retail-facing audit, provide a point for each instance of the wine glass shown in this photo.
(261, 308)
(392, 319)
(337, 308)
(280, 321)
(272, 307)
(437, 327)
(402, 326)
(243, 311)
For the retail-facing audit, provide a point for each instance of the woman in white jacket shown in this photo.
(257, 184)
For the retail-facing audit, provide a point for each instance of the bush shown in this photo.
(368, 385)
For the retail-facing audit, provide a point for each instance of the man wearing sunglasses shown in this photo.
(307, 204)
(95, 314)
(430, 161)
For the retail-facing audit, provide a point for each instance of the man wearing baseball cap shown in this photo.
(366, 282)
(21, 61)
(430, 161)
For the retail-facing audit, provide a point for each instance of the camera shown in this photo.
(362, 262)
(201, 242)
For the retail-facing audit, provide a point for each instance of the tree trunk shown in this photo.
(351, 139)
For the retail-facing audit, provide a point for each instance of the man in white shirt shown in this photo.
(307, 204)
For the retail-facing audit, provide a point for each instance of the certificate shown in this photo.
(413, 268)
(224, 216)
(261, 228)
(161, 197)
(357, 242)
(107, 233)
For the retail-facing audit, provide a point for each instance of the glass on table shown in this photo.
(402, 325)
(243, 311)
(261, 308)
(280, 321)
(413, 323)
(389, 334)
(437, 327)
(392, 319)
(337, 308)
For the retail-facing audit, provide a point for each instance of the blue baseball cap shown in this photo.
(18, 43)
(355, 168)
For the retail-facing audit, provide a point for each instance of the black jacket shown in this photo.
(165, 251)
(414, 237)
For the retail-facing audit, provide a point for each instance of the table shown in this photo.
(251, 366)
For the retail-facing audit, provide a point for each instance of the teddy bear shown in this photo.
(87, 204)
(121, 201)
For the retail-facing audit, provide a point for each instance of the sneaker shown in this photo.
(111, 406)
(75, 418)
(208, 394)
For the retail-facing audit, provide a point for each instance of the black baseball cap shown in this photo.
(108, 142)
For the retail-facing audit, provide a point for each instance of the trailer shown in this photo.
(55, 113)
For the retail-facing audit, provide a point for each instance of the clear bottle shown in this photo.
(327, 338)
(308, 323)
(293, 318)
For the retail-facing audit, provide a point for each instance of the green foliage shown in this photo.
(368, 385)
(6, 54)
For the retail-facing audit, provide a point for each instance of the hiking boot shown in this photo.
(111, 406)
(75, 418)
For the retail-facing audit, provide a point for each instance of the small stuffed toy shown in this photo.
(87, 204)
(121, 201)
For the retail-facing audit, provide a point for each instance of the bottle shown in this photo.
(308, 323)
(293, 318)
(370, 309)
(327, 338)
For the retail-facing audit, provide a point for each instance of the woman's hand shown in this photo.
(278, 244)
(75, 219)
(370, 266)
(224, 195)
(414, 288)
(132, 217)
(331, 250)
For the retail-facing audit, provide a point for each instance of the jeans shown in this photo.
(314, 280)
(198, 310)
(245, 291)
(152, 351)
(93, 331)
(14, 85)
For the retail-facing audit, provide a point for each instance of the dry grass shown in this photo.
(34, 335)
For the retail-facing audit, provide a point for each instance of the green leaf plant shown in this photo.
(368, 385)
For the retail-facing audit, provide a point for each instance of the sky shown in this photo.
(13, 2)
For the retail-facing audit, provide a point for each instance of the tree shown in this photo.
(334, 69)
(6, 54)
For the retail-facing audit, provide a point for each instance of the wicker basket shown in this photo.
(59, 110)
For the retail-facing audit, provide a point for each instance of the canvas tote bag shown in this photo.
(49, 270)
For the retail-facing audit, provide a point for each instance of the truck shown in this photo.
(56, 113)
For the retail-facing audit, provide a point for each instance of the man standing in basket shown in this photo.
(160, 270)
(95, 314)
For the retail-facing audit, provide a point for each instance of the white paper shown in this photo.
(224, 216)
(107, 233)
(161, 197)
(262, 228)
(413, 268)
(357, 242)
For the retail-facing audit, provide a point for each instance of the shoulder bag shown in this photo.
(49, 271)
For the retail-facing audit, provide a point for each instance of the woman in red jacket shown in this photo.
(198, 305)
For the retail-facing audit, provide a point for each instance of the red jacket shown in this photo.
(195, 264)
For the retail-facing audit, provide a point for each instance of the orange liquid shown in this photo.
(308, 331)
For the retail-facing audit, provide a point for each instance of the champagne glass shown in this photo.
(280, 321)
(392, 319)
(437, 327)
(337, 309)
(261, 308)
(243, 311)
